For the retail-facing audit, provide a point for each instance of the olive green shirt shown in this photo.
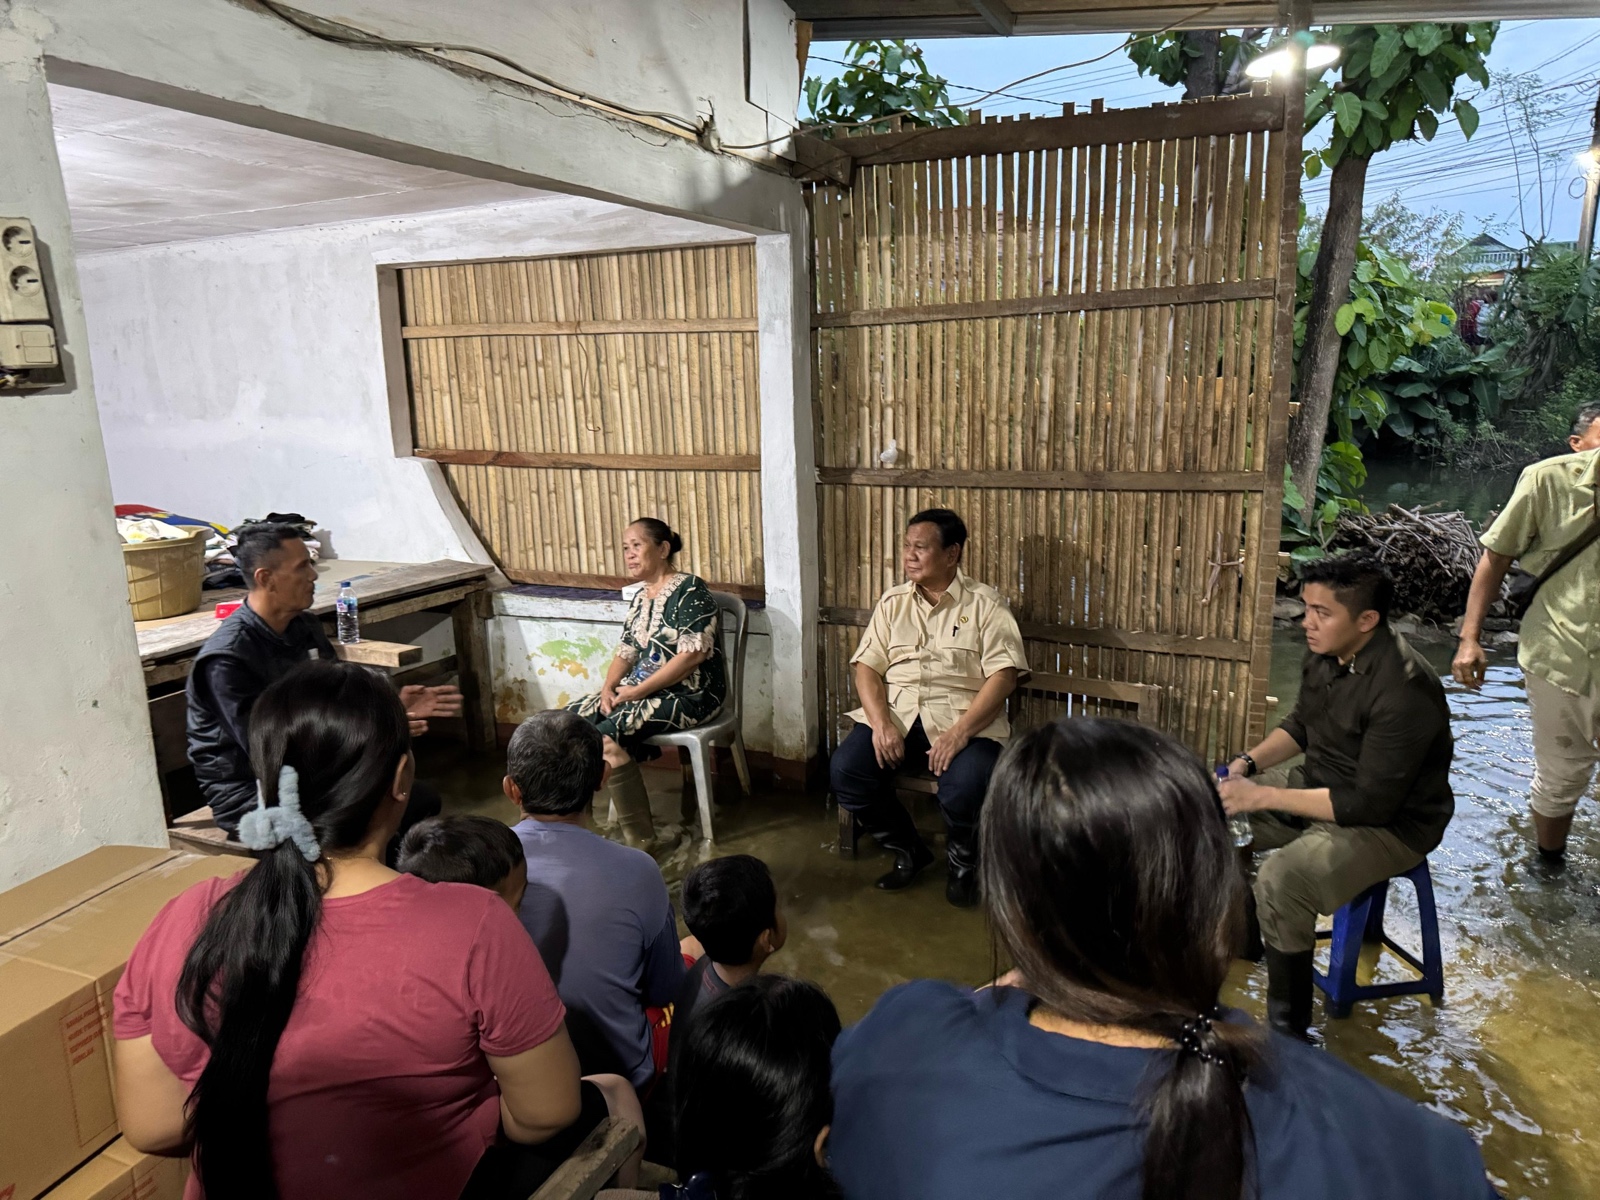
(934, 658)
(1554, 502)
(1377, 735)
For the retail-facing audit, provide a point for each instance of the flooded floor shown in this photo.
(1513, 1054)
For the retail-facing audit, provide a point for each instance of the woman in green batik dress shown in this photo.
(667, 674)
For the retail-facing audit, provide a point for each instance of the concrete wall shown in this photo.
(257, 71)
(243, 375)
(77, 769)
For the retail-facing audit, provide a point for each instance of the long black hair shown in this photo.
(750, 1090)
(342, 729)
(1109, 877)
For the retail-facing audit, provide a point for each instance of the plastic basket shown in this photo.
(164, 577)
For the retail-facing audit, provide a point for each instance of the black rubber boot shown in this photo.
(892, 827)
(1289, 992)
(961, 858)
(1254, 948)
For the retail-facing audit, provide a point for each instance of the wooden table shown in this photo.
(385, 591)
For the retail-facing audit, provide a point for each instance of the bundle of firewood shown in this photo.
(1430, 554)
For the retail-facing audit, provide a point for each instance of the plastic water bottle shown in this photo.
(1238, 823)
(349, 621)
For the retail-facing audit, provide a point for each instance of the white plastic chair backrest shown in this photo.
(733, 619)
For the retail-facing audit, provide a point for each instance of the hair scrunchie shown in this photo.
(264, 828)
(1192, 1037)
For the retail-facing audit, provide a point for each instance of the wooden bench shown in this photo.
(1143, 698)
(594, 1162)
(198, 833)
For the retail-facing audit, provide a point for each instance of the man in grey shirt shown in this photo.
(597, 910)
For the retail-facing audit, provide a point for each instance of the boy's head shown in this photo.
(555, 764)
(479, 850)
(731, 906)
(1347, 596)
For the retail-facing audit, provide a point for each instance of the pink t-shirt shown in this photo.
(379, 1087)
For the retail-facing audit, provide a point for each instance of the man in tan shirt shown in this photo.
(1555, 501)
(940, 655)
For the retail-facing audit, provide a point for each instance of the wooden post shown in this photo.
(469, 620)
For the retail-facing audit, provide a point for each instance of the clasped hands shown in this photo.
(610, 697)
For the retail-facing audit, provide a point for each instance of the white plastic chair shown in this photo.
(725, 728)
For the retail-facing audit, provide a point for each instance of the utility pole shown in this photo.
(1591, 192)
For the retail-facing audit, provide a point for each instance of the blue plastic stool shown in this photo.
(1362, 921)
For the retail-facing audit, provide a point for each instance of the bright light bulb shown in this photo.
(1589, 160)
(1281, 61)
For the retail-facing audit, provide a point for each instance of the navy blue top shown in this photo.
(599, 913)
(942, 1093)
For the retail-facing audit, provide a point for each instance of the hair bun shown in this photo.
(674, 540)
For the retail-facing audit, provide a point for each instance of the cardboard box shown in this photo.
(121, 1173)
(80, 923)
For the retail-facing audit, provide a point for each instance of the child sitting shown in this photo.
(731, 907)
(466, 849)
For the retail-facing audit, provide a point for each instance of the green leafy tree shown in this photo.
(1395, 83)
(1207, 62)
(1548, 318)
(883, 79)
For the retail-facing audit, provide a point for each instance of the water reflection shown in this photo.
(1510, 1055)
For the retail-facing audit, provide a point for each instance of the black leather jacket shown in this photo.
(231, 670)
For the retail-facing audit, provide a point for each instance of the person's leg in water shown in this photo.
(1319, 871)
(866, 789)
(626, 791)
(962, 788)
(1566, 728)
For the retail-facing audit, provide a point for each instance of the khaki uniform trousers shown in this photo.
(1566, 746)
(1317, 869)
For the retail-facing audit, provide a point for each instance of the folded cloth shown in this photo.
(216, 547)
(148, 529)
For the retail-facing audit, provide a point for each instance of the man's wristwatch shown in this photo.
(1250, 767)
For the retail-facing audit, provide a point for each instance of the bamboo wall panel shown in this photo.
(1105, 315)
(561, 396)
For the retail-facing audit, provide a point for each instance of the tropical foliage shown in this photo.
(883, 79)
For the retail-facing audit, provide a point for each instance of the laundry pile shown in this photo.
(143, 523)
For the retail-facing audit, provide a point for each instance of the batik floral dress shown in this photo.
(682, 617)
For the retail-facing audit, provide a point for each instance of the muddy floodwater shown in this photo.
(1514, 1053)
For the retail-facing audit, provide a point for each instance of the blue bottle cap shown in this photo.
(344, 583)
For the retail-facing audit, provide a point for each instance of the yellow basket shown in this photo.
(164, 577)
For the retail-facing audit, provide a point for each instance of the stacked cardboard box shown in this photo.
(119, 1172)
(64, 940)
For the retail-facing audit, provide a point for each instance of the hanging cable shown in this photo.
(347, 35)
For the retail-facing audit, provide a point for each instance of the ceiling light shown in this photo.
(1281, 60)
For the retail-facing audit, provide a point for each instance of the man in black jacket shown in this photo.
(1373, 796)
(269, 635)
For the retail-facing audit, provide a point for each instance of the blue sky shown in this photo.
(1491, 179)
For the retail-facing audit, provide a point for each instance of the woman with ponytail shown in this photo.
(1110, 1071)
(320, 1026)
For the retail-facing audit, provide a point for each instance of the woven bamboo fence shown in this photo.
(566, 397)
(1078, 331)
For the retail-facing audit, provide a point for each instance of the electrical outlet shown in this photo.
(27, 347)
(22, 294)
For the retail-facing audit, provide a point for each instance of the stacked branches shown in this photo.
(1431, 556)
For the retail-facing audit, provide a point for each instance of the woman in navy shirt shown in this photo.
(1110, 880)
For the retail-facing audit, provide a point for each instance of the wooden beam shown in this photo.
(572, 328)
(596, 1160)
(392, 655)
(469, 621)
(437, 669)
(1078, 635)
(1173, 122)
(817, 158)
(1081, 481)
(593, 462)
(615, 583)
(999, 17)
(1152, 297)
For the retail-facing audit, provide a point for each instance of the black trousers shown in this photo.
(509, 1171)
(867, 790)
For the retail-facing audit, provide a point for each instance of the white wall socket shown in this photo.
(22, 294)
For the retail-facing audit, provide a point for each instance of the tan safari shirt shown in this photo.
(1553, 503)
(936, 657)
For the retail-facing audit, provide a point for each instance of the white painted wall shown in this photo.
(77, 768)
(242, 375)
(256, 71)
